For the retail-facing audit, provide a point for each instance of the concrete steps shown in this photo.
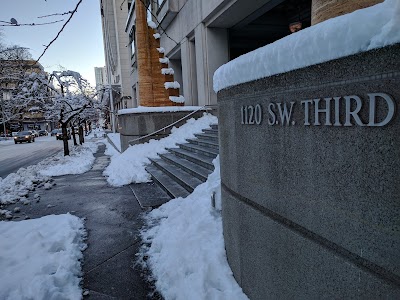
(182, 169)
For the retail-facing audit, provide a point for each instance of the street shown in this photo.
(14, 156)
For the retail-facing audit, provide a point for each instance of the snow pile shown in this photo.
(146, 109)
(129, 166)
(95, 133)
(6, 213)
(115, 139)
(179, 99)
(16, 186)
(40, 259)
(161, 50)
(185, 249)
(110, 150)
(79, 161)
(156, 36)
(172, 85)
(362, 30)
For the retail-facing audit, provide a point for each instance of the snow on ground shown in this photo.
(40, 258)
(9, 140)
(79, 161)
(128, 167)
(185, 248)
(116, 139)
(362, 30)
(16, 186)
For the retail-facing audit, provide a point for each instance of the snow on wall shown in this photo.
(167, 71)
(365, 29)
(151, 24)
(161, 50)
(164, 60)
(156, 36)
(179, 99)
(172, 85)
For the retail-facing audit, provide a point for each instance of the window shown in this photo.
(159, 4)
(132, 41)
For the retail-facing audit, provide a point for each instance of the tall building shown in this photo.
(114, 14)
(100, 77)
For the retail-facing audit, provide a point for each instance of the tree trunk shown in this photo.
(73, 135)
(65, 138)
(81, 135)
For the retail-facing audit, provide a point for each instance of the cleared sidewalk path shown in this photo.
(112, 223)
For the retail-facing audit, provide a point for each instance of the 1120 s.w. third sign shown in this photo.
(335, 111)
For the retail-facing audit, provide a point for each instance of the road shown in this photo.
(14, 156)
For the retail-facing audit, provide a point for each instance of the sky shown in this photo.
(80, 45)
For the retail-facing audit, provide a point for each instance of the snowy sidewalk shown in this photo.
(112, 223)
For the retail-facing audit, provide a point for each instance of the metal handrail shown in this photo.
(172, 124)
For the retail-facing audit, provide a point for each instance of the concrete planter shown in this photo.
(310, 180)
(136, 125)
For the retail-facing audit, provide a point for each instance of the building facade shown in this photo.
(11, 74)
(100, 77)
(114, 14)
(197, 37)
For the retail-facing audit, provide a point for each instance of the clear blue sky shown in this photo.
(80, 45)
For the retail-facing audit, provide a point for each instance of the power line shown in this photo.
(58, 14)
(28, 24)
(62, 28)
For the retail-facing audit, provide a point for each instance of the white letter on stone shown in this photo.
(272, 120)
(326, 111)
(284, 114)
(372, 108)
(306, 109)
(353, 113)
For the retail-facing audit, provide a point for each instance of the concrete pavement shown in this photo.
(112, 222)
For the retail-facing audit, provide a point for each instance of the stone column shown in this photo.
(322, 10)
(143, 56)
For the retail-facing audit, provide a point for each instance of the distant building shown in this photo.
(114, 14)
(100, 77)
(11, 72)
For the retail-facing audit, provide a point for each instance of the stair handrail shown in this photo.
(207, 107)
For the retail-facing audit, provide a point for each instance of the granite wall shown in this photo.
(136, 125)
(310, 171)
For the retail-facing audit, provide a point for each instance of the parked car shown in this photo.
(24, 136)
(59, 134)
(35, 133)
(43, 132)
(54, 132)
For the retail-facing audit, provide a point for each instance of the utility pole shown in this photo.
(2, 110)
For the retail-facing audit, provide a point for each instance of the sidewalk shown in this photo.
(112, 223)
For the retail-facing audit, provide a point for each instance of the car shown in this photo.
(24, 136)
(59, 134)
(54, 132)
(43, 132)
(36, 134)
